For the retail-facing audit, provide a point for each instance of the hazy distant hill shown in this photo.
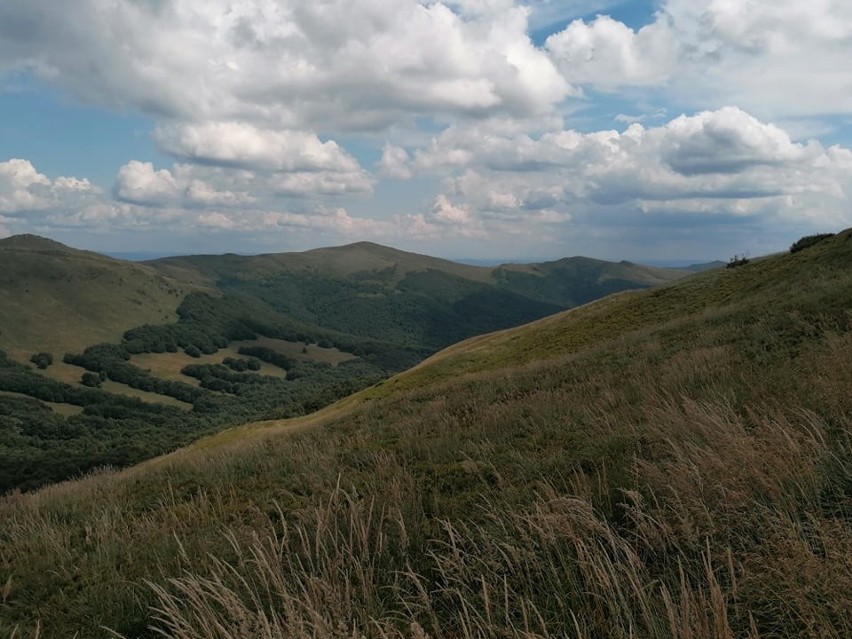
(576, 280)
(56, 298)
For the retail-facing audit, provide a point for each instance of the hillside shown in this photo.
(340, 262)
(55, 298)
(369, 290)
(669, 463)
(136, 360)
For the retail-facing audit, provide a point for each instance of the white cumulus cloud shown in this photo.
(242, 145)
(23, 188)
(293, 64)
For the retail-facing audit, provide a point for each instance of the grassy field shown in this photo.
(671, 464)
(153, 398)
(60, 371)
(71, 374)
(57, 299)
(300, 351)
(169, 365)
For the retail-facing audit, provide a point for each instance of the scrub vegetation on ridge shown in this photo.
(674, 463)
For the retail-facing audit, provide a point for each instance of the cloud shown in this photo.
(336, 223)
(18, 186)
(195, 186)
(269, 107)
(607, 54)
(722, 165)
(295, 65)
(184, 199)
(444, 211)
(728, 141)
(138, 183)
(200, 193)
(242, 145)
(24, 189)
(324, 183)
(394, 163)
(777, 59)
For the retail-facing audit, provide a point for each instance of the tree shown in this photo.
(808, 241)
(42, 360)
(92, 380)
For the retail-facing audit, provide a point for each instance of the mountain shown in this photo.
(674, 462)
(369, 290)
(55, 298)
(139, 359)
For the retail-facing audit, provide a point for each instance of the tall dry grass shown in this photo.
(729, 532)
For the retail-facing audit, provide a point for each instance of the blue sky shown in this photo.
(680, 129)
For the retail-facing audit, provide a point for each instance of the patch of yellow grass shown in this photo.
(62, 372)
(153, 398)
(169, 365)
(70, 374)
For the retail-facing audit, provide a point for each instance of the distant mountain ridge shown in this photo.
(59, 298)
(380, 292)
(148, 356)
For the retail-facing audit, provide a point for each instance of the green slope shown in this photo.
(369, 290)
(138, 332)
(54, 298)
(670, 463)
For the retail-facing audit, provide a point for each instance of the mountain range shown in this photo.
(137, 359)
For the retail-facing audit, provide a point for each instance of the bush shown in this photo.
(738, 260)
(91, 380)
(235, 364)
(192, 351)
(808, 241)
(42, 360)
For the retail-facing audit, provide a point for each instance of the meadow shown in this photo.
(675, 463)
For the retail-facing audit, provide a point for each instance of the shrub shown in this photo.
(42, 360)
(235, 364)
(192, 351)
(92, 380)
(738, 260)
(808, 241)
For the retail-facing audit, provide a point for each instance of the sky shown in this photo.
(483, 129)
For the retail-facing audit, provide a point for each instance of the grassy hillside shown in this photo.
(340, 262)
(674, 463)
(576, 280)
(181, 333)
(56, 299)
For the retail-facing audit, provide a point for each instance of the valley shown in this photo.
(151, 356)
